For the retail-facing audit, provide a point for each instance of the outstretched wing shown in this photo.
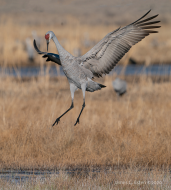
(102, 58)
(50, 56)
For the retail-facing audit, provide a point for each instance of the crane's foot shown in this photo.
(56, 122)
(77, 122)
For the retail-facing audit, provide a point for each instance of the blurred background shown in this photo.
(79, 25)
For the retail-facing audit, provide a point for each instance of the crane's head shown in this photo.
(48, 36)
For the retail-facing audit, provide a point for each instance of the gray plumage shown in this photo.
(30, 49)
(101, 59)
(119, 86)
(39, 40)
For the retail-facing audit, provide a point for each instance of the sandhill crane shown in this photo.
(101, 59)
(38, 39)
(30, 49)
(119, 86)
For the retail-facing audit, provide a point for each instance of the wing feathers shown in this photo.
(102, 58)
(150, 18)
(140, 18)
(147, 23)
(151, 31)
(50, 56)
(150, 27)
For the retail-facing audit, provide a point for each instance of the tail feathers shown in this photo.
(101, 85)
(93, 86)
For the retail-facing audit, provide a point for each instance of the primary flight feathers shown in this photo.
(102, 58)
(50, 56)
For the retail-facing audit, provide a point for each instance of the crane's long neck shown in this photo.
(62, 52)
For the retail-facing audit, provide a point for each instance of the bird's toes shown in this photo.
(53, 124)
(76, 122)
(56, 122)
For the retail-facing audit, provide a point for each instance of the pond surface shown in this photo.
(19, 176)
(154, 70)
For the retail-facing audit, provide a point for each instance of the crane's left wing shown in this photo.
(102, 58)
(50, 56)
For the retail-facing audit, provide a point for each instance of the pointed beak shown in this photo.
(47, 45)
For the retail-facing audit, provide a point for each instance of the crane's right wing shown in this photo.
(50, 56)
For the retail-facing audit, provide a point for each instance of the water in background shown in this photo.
(154, 70)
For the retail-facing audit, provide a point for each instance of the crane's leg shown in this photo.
(73, 88)
(83, 87)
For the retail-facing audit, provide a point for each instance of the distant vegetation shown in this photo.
(16, 42)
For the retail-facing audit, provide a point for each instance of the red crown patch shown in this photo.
(47, 36)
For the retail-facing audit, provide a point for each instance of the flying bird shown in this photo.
(99, 60)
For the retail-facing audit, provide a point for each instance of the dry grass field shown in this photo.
(130, 131)
(127, 138)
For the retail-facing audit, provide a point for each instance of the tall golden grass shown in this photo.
(132, 131)
(154, 49)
